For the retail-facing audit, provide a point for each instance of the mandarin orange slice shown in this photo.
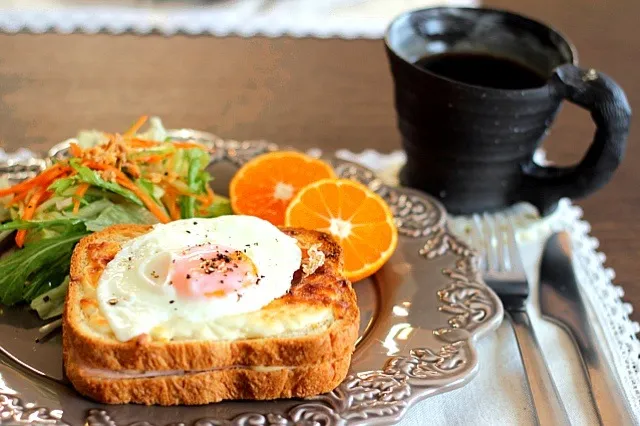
(358, 217)
(265, 185)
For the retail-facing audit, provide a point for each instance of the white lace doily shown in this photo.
(606, 306)
(297, 18)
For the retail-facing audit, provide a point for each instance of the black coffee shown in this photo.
(484, 70)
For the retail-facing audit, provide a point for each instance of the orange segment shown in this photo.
(265, 185)
(358, 217)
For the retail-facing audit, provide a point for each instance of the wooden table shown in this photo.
(304, 92)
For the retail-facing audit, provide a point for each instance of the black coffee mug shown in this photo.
(476, 91)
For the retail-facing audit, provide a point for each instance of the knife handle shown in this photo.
(546, 400)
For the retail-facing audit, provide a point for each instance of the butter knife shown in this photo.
(562, 302)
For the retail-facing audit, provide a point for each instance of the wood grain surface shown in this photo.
(303, 92)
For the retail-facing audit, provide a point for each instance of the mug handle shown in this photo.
(544, 186)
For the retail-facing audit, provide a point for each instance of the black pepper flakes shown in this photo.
(113, 301)
(188, 232)
(188, 276)
(172, 301)
(195, 223)
(46, 298)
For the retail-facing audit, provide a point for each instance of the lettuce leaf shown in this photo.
(89, 176)
(221, 207)
(121, 214)
(91, 138)
(51, 303)
(156, 130)
(196, 179)
(39, 224)
(91, 210)
(61, 185)
(43, 264)
(5, 214)
(38, 267)
(154, 191)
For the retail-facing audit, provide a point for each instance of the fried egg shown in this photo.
(196, 270)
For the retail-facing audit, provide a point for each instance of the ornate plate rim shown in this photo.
(379, 396)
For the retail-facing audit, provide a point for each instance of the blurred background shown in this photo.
(324, 18)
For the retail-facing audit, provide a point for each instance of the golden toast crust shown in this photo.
(212, 386)
(326, 287)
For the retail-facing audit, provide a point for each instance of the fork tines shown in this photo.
(500, 260)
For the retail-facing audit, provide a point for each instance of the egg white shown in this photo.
(133, 305)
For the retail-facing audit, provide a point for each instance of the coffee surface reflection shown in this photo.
(480, 69)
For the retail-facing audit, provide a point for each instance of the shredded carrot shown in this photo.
(38, 196)
(32, 192)
(46, 179)
(207, 200)
(146, 200)
(82, 189)
(110, 136)
(211, 195)
(123, 180)
(17, 198)
(151, 159)
(171, 163)
(75, 149)
(49, 174)
(190, 144)
(171, 201)
(181, 188)
(143, 143)
(97, 166)
(136, 126)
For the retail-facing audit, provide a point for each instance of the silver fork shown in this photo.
(503, 271)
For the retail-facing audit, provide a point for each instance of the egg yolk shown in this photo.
(211, 270)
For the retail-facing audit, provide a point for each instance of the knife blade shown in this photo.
(562, 302)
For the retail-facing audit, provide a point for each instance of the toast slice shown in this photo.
(204, 387)
(307, 351)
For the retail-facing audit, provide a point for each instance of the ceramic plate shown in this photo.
(421, 316)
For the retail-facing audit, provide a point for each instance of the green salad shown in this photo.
(107, 179)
